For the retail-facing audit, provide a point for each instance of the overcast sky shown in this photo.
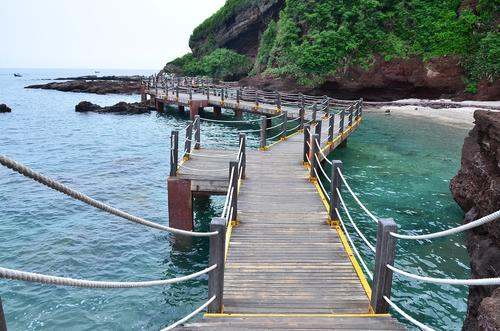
(123, 34)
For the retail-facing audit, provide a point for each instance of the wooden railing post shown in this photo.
(197, 132)
(351, 110)
(278, 100)
(302, 117)
(238, 96)
(302, 101)
(217, 256)
(342, 119)
(307, 141)
(233, 208)
(385, 254)
(263, 132)
(317, 130)
(360, 107)
(174, 152)
(312, 156)
(314, 113)
(257, 98)
(284, 125)
(222, 94)
(3, 322)
(331, 127)
(190, 93)
(177, 92)
(243, 144)
(189, 139)
(335, 184)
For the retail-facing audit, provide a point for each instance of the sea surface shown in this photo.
(400, 167)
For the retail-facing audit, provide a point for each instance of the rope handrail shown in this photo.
(373, 217)
(448, 281)
(55, 185)
(367, 242)
(188, 317)
(486, 219)
(323, 154)
(276, 136)
(200, 170)
(65, 281)
(229, 121)
(321, 168)
(215, 156)
(408, 317)
(363, 263)
(274, 127)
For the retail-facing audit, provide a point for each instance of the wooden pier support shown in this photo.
(181, 109)
(194, 108)
(180, 203)
(217, 111)
(238, 113)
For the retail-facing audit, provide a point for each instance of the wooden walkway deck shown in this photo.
(286, 267)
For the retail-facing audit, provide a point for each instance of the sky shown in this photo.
(113, 34)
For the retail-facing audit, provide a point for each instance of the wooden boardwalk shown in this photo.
(286, 267)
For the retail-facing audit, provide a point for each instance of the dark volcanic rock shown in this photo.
(4, 108)
(93, 86)
(121, 107)
(476, 188)
(135, 78)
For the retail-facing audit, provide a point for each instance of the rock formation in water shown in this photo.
(94, 84)
(119, 108)
(4, 108)
(476, 188)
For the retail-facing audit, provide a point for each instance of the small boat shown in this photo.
(18, 75)
(96, 72)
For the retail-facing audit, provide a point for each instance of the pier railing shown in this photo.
(384, 248)
(217, 236)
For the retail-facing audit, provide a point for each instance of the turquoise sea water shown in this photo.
(401, 168)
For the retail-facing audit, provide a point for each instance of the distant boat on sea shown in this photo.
(18, 75)
(96, 72)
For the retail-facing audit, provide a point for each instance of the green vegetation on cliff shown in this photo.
(221, 64)
(315, 39)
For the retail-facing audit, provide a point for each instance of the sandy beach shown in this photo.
(454, 114)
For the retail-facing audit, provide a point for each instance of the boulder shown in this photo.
(4, 108)
(121, 108)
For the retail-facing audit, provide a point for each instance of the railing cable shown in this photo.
(408, 317)
(55, 185)
(373, 217)
(188, 317)
(64, 281)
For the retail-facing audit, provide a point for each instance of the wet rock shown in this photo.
(120, 108)
(88, 84)
(476, 188)
(4, 108)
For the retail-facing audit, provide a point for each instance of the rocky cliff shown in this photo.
(379, 50)
(237, 26)
(476, 188)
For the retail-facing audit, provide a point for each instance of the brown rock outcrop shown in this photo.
(476, 188)
(121, 108)
(106, 86)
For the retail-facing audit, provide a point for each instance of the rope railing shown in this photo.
(408, 317)
(65, 281)
(355, 197)
(448, 281)
(363, 237)
(188, 317)
(483, 220)
(55, 185)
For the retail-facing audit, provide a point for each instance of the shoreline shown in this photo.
(459, 117)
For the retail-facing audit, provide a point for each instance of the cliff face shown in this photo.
(239, 30)
(476, 188)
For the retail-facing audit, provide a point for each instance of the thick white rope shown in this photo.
(188, 317)
(229, 200)
(295, 128)
(486, 219)
(363, 264)
(408, 317)
(276, 136)
(229, 121)
(201, 170)
(448, 281)
(321, 168)
(55, 185)
(215, 156)
(373, 217)
(367, 242)
(229, 193)
(274, 127)
(323, 154)
(64, 281)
